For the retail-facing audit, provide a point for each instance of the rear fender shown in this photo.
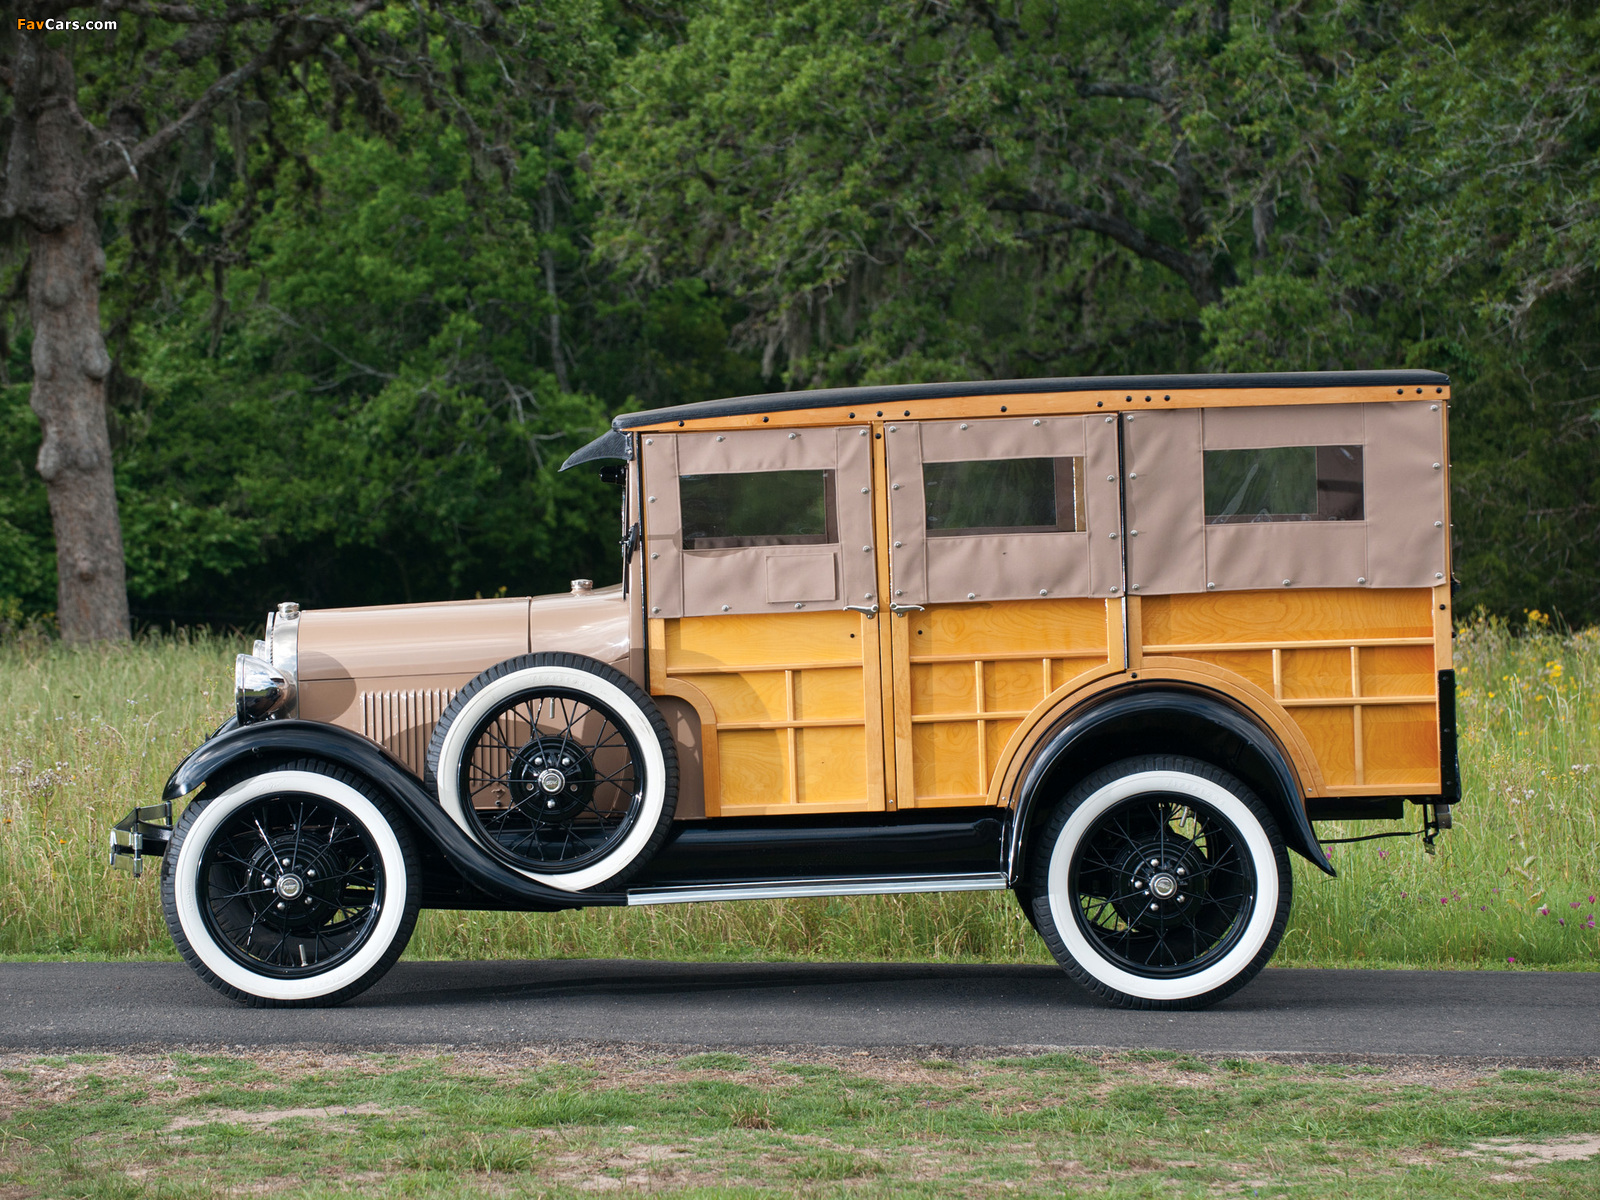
(1163, 719)
(258, 746)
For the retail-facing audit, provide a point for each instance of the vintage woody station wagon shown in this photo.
(1113, 644)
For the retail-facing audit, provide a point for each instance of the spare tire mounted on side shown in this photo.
(559, 766)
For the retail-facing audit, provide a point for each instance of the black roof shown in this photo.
(610, 445)
(899, 393)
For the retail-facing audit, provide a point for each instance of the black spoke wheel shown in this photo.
(551, 779)
(1162, 885)
(560, 767)
(291, 885)
(1159, 882)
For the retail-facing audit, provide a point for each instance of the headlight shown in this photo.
(260, 690)
(264, 683)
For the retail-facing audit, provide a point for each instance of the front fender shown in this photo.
(275, 741)
(1157, 719)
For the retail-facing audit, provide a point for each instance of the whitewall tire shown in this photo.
(294, 887)
(560, 767)
(1160, 882)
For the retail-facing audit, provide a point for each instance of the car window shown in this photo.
(758, 508)
(1284, 483)
(1003, 495)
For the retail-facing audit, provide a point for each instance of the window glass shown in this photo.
(1283, 483)
(757, 508)
(1004, 495)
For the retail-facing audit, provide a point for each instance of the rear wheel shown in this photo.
(1160, 882)
(294, 887)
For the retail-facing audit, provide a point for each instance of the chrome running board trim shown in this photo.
(860, 885)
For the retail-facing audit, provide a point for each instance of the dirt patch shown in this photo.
(1521, 1156)
(260, 1118)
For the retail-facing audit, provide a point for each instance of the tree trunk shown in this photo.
(70, 365)
(49, 187)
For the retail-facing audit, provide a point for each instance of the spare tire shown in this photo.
(560, 767)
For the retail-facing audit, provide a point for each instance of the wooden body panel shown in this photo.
(977, 673)
(789, 705)
(1353, 668)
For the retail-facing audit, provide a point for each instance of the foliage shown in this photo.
(355, 332)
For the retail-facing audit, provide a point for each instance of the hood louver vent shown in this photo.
(402, 722)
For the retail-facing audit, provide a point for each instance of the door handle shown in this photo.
(901, 610)
(869, 613)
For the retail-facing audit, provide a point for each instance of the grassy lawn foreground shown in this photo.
(525, 1123)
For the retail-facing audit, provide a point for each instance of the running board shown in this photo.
(859, 885)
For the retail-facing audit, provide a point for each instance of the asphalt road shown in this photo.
(881, 1006)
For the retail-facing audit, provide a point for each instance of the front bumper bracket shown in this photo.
(146, 830)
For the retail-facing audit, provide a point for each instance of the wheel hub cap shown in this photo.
(552, 781)
(289, 886)
(1163, 886)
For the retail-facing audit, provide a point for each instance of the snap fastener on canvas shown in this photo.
(1436, 466)
(1036, 421)
(863, 491)
(897, 545)
(720, 438)
(727, 608)
(972, 595)
(963, 424)
(1211, 587)
(1044, 591)
(1438, 524)
(866, 549)
(792, 436)
(1287, 582)
(1361, 579)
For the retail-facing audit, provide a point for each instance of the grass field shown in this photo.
(85, 734)
(794, 1124)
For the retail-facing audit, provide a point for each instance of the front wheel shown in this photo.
(1160, 883)
(294, 887)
